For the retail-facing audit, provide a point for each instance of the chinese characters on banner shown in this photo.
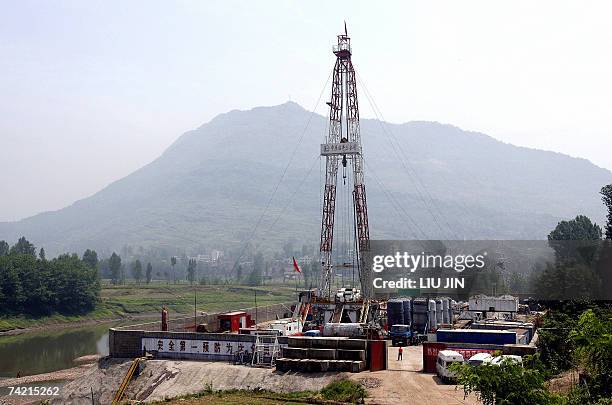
(208, 347)
(346, 148)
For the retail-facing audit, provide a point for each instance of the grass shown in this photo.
(27, 321)
(243, 397)
(136, 300)
(343, 391)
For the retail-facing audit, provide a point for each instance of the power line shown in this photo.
(290, 200)
(411, 173)
(397, 206)
(267, 206)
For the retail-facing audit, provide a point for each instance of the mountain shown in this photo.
(209, 188)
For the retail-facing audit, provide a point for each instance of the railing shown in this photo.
(184, 323)
(342, 47)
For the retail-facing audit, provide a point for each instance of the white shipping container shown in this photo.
(505, 303)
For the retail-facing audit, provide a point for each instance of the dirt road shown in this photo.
(404, 383)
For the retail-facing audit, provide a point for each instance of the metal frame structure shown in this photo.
(343, 146)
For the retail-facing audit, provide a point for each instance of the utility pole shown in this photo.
(255, 309)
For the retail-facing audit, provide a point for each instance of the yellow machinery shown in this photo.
(127, 379)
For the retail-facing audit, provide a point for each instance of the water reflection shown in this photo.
(45, 351)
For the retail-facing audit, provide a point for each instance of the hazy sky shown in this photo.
(90, 91)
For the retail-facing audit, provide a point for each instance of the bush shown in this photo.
(344, 391)
(508, 383)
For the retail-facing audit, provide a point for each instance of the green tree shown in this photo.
(562, 280)
(580, 228)
(42, 255)
(289, 248)
(508, 383)
(4, 248)
(149, 272)
(239, 273)
(256, 276)
(10, 285)
(24, 247)
(191, 270)
(575, 273)
(309, 272)
(173, 263)
(114, 265)
(29, 285)
(122, 274)
(593, 340)
(606, 196)
(77, 284)
(90, 257)
(137, 271)
(576, 240)
(555, 348)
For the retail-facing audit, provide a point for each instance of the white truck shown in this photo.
(445, 359)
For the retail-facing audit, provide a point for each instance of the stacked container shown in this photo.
(419, 314)
(439, 313)
(395, 312)
(445, 311)
(407, 304)
(432, 314)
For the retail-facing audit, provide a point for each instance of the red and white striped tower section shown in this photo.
(343, 147)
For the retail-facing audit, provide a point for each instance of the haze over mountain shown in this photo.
(210, 187)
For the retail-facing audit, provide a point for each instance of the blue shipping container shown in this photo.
(407, 304)
(395, 312)
(482, 336)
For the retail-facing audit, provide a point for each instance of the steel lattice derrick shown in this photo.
(344, 101)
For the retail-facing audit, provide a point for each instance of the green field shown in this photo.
(131, 300)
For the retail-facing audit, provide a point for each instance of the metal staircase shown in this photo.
(337, 315)
(304, 314)
(266, 351)
(365, 308)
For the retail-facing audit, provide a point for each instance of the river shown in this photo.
(44, 351)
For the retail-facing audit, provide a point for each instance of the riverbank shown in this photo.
(144, 301)
(48, 324)
(85, 364)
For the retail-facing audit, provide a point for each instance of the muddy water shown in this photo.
(44, 351)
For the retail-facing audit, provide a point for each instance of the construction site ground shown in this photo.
(402, 383)
(405, 383)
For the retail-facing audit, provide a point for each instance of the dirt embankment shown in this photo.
(160, 379)
(403, 383)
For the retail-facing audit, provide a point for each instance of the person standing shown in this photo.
(399, 353)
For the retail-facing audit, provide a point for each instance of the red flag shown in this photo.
(295, 266)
